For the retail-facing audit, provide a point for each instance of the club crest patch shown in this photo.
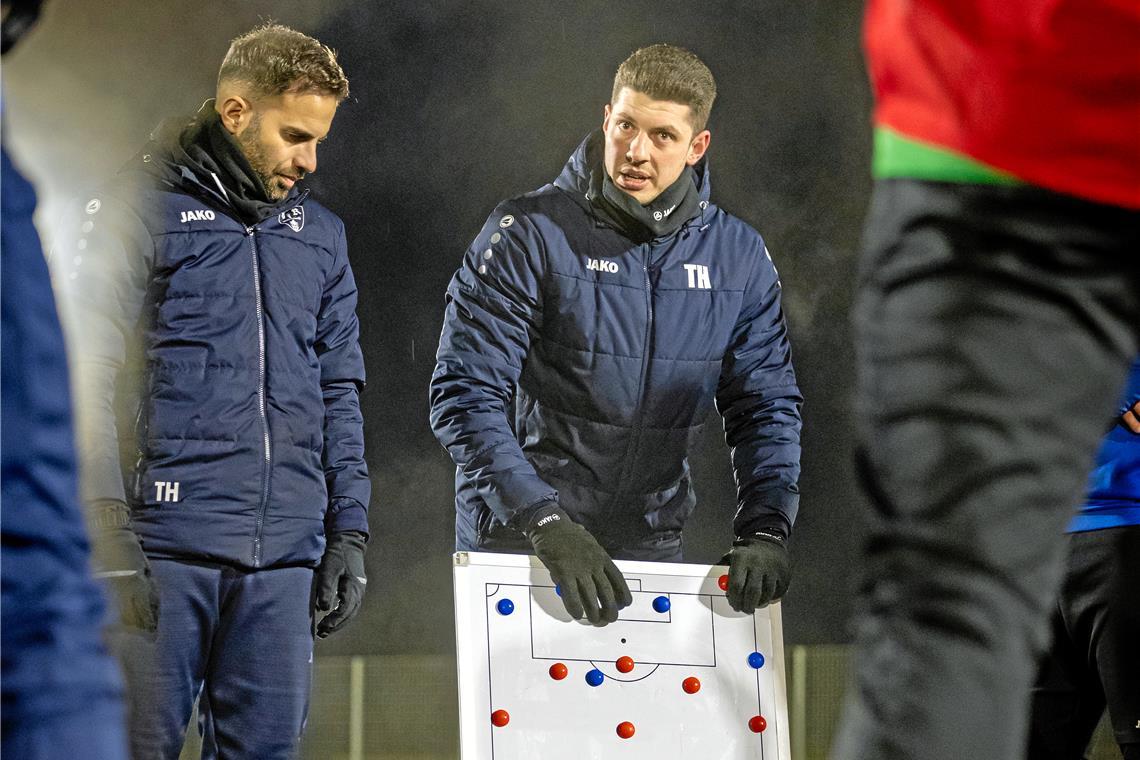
(294, 218)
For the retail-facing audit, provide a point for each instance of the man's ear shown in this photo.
(606, 118)
(236, 112)
(698, 147)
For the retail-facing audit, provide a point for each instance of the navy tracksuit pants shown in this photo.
(241, 639)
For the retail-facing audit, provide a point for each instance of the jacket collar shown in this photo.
(195, 155)
(583, 173)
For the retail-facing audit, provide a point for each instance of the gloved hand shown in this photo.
(118, 560)
(340, 581)
(759, 571)
(589, 580)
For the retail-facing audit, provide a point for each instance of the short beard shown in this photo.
(250, 142)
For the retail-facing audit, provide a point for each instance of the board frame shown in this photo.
(472, 653)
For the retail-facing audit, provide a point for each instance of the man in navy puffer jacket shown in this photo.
(611, 308)
(214, 320)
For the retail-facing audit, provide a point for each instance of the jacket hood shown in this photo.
(193, 154)
(582, 174)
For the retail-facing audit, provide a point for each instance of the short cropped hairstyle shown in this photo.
(273, 59)
(667, 72)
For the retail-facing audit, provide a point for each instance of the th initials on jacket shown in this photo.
(165, 490)
(698, 276)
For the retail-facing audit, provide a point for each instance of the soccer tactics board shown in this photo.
(679, 675)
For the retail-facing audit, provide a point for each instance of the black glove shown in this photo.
(118, 560)
(759, 571)
(340, 580)
(589, 580)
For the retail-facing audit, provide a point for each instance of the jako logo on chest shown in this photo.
(602, 265)
(200, 215)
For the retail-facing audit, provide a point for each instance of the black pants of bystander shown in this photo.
(1094, 660)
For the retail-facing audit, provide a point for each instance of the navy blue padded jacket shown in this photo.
(612, 352)
(220, 368)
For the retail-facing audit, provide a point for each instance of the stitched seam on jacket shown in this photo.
(699, 290)
(614, 425)
(599, 352)
(490, 447)
(595, 281)
(592, 487)
(277, 298)
(181, 296)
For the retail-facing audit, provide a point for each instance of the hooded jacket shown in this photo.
(612, 350)
(219, 360)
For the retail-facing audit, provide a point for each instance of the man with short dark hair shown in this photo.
(610, 308)
(220, 371)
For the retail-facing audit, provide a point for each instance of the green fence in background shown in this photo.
(405, 708)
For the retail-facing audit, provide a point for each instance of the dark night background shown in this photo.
(455, 106)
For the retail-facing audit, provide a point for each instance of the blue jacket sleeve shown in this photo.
(1113, 497)
(342, 378)
(760, 402)
(494, 308)
(104, 259)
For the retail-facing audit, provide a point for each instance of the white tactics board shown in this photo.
(679, 675)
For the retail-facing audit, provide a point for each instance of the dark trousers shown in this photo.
(995, 327)
(1094, 660)
(244, 640)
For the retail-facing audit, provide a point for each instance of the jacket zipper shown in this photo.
(222, 204)
(250, 232)
(638, 420)
(141, 433)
